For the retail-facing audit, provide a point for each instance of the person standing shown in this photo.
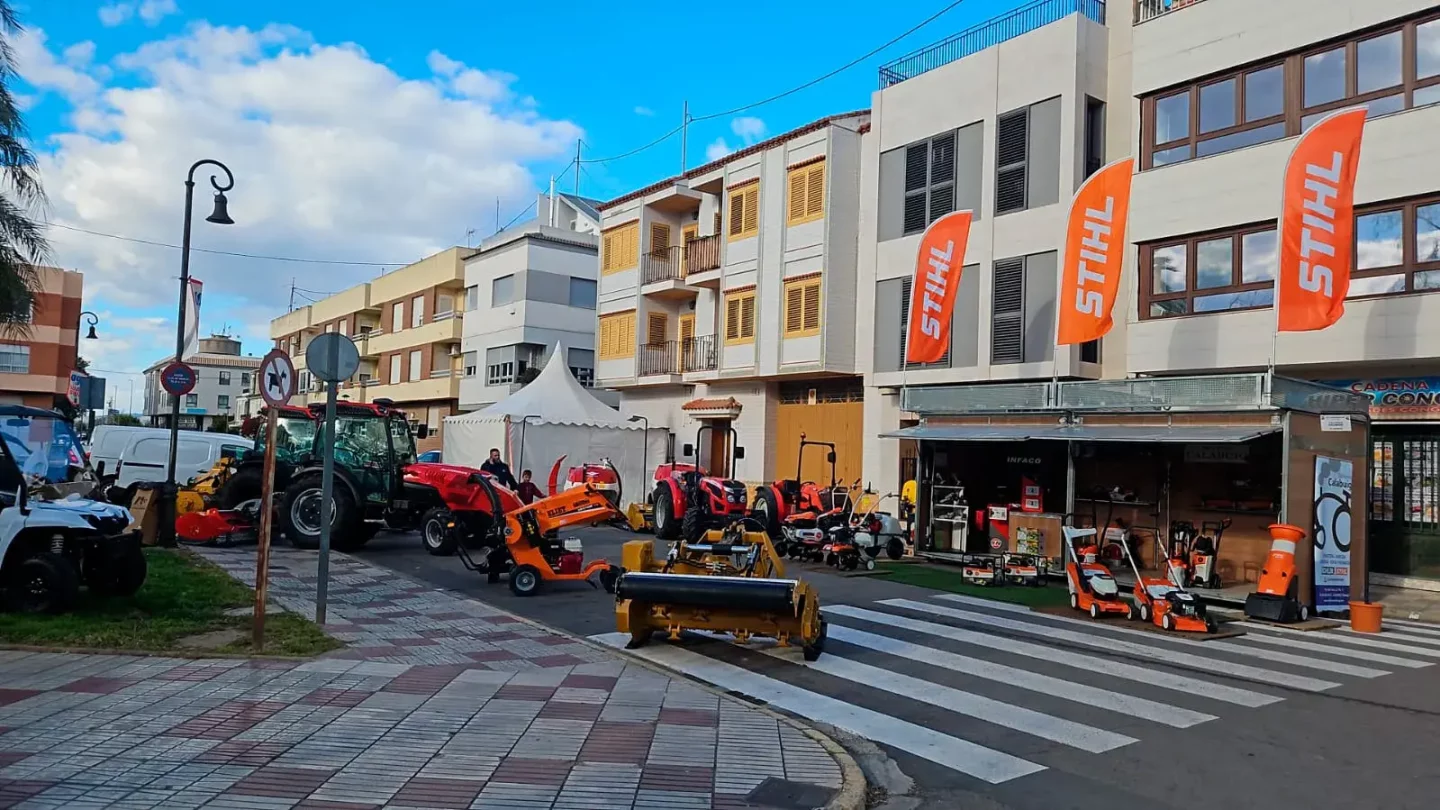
(528, 492)
(499, 470)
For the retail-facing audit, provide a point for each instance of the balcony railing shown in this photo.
(678, 356)
(1021, 21)
(699, 354)
(702, 254)
(1150, 9)
(666, 265)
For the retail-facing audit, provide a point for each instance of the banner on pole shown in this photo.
(1334, 485)
(192, 318)
(937, 279)
(1094, 254)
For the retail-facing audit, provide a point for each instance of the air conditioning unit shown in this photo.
(455, 350)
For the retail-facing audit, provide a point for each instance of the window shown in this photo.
(414, 365)
(929, 182)
(394, 369)
(1385, 70)
(224, 378)
(397, 316)
(304, 381)
(192, 400)
(472, 298)
(1012, 143)
(344, 327)
(805, 193)
(14, 359)
(244, 381)
(620, 248)
(1007, 327)
(222, 402)
(740, 317)
(660, 240)
(582, 365)
(329, 327)
(716, 232)
(444, 305)
(617, 335)
(470, 360)
(802, 307)
(417, 311)
(500, 373)
(744, 210)
(656, 324)
(1094, 135)
(582, 293)
(502, 291)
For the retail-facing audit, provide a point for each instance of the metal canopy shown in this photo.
(1209, 434)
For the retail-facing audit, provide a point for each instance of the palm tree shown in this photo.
(22, 240)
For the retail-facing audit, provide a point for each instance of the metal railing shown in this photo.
(1150, 9)
(678, 357)
(702, 254)
(1021, 21)
(666, 265)
(699, 354)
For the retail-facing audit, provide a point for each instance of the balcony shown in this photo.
(701, 261)
(1017, 23)
(444, 331)
(1146, 10)
(662, 274)
(699, 354)
(677, 357)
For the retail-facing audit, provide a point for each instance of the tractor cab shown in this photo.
(295, 432)
(373, 443)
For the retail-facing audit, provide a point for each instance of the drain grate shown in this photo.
(783, 794)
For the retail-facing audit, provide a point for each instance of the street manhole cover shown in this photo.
(783, 794)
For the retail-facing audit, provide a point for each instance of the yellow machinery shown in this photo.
(732, 581)
(640, 517)
(200, 492)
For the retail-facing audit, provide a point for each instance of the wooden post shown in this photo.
(262, 555)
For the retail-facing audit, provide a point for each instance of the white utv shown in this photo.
(53, 538)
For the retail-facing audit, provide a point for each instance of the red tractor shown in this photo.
(689, 502)
(792, 507)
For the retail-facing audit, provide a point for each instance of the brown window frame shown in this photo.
(1293, 83)
(1410, 263)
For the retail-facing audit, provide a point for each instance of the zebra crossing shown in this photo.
(987, 688)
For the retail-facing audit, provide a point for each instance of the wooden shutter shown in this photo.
(617, 335)
(656, 324)
(689, 233)
(815, 192)
(737, 212)
(747, 317)
(659, 239)
(811, 320)
(607, 252)
(752, 209)
(794, 308)
(717, 222)
(732, 319)
(802, 308)
(687, 327)
(1007, 329)
(619, 247)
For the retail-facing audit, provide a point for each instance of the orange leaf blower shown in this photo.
(1277, 595)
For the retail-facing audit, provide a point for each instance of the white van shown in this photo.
(141, 453)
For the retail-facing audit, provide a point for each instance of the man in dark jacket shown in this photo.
(499, 470)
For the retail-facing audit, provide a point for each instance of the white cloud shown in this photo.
(335, 156)
(67, 75)
(152, 11)
(717, 150)
(748, 129)
(149, 11)
(645, 111)
(113, 14)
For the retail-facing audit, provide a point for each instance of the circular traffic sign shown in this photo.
(277, 378)
(178, 379)
(332, 357)
(996, 543)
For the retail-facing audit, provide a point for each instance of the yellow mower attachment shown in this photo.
(730, 582)
(640, 517)
(201, 490)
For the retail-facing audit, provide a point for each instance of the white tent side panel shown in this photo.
(544, 444)
(468, 442)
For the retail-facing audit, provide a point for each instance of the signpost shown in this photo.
(277, 385)
(331, 357)
(178, 379)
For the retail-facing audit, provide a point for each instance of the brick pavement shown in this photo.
(438, 702)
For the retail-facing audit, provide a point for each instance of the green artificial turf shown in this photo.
(947, 578)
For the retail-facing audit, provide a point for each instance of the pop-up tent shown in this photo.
(551, 417)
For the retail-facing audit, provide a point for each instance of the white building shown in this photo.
(727, 298)
(527, 289)
(224, 378)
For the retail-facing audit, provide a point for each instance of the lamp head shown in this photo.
(221, 214)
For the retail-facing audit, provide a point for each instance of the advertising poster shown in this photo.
(1334, 483)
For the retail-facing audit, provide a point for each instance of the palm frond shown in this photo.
(23, 246)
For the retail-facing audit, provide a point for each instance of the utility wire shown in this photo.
(293, 259)
(568, 166)
(663, 138)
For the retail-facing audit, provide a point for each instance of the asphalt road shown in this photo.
(964, 703)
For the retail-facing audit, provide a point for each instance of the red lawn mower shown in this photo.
(688, 502)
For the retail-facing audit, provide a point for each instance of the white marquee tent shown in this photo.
(551, 417)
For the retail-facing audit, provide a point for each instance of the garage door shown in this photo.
(824, 411)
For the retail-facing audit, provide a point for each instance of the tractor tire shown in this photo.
(524, 580)
(42, 583)
(301, 510)
(766, 509)
(812, 652)
(667, 527)
(692, 528)
(436, 534)
(245, 485)
(120, 575)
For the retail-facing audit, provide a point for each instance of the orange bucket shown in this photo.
(1284, 531)
(1365, 616)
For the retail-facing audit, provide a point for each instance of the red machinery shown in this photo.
(690, 502)
(601, 476)
(467, 506)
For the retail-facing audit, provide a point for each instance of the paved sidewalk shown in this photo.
(439, 702)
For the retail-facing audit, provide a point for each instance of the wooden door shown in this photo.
(836, 415)
(719, 448)
(688, 234)
(687, 334)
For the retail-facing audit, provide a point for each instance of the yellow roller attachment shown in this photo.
(638, 555)
(187, 501)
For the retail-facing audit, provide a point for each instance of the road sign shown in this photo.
(277, 378)
(178, 379)
(332, 357)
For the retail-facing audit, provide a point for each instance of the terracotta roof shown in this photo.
(726, 404)
(749, 150)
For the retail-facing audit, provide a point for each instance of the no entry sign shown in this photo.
(277, 378)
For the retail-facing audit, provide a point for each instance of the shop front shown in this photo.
(1003, 467)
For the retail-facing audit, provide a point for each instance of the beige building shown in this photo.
(407, 326)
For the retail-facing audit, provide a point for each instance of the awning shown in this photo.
(1208, 434)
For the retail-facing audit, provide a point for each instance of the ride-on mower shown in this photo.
(1093, 589)
(688, 502)
(1277, 594)
(731, 581)
(797, 500)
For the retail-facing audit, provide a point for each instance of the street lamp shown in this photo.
(220, 216)
(644, 446)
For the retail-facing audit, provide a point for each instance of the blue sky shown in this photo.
(361, 136)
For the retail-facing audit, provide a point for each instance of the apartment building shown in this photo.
(527, 290)
(727, 299)
(407, 327)
(223, 378)
(35, 366)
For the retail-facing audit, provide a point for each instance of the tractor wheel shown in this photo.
(524, 580)
(766, 509)
(895, 549)
(812, 651)
(692, 528)
(42, 583)
(120, 575)
(300, 514)
(666, 526)
(245, 485)
(436, 533)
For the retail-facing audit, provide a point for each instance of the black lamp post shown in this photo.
(220, 216)
(85, 317)
(644, 446)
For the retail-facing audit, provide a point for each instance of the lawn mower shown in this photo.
(731, 581)
(688, 502)
(1164, 600)
(1277, 594)
(1093, 589)
(796, 500)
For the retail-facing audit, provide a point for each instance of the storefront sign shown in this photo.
(1217, 453)
(1334, 483)
(1335, 423)
(1408, 399)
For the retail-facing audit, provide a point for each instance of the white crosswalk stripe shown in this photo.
(975, 760)
(1288, 679)
(1406, 635)
(1331, 649)
(1427, 628)
(1352, 638)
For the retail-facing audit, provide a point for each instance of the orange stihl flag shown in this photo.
(1094, 254)
(1317, 224)
(932, 295)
